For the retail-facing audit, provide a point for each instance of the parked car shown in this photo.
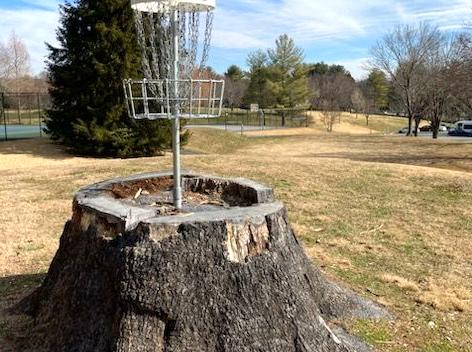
(429, 128)
(462, 129)
(404, 130)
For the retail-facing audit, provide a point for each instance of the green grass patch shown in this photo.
(374, 333)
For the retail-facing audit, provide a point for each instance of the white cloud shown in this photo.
(357, 67)
(34, 27)
(311, 21)
(49, 4)
(249, 24)
(233, 40)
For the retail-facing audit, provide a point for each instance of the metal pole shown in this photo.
(4, 116)
(39, 117)
(19, 108)
(176, 119)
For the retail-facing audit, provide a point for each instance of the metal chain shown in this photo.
(194, 35)
(155, 37)
(142, 43)
(154, 54)
(182, 29)
(207, 40)
(165, 45)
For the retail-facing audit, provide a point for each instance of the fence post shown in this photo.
(18, 102)
(2, 102)
(39, 116)
(30, 110)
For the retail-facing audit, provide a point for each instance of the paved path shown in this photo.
(442, 136)
(236, 128)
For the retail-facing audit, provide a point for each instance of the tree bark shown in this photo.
(233, 279)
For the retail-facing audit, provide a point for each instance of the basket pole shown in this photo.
(176, 119)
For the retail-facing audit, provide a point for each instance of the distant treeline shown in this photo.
(417, 72)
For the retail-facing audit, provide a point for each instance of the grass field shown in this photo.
(389, 217)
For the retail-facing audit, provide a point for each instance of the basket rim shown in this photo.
(158, 6)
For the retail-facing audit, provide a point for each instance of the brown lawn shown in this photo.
(390, 217)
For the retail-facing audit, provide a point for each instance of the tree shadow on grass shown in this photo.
(457, 163)
(41, 147)
(14, 324)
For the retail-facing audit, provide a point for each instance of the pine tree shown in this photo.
(258, 91)
(379, 84)
(288, 81)
(234, 73)
(97, 50)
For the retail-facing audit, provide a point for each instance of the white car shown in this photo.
(462, 129)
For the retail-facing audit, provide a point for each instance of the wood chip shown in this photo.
(138, 194)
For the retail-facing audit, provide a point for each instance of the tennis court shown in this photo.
(11, 132)
(22, 115)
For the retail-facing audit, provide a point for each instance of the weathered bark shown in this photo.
(227, 279)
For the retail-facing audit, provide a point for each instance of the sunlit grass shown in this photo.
(389, 217)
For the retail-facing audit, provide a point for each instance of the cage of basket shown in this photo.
(154, 99)
(174, 54)
(174, 38)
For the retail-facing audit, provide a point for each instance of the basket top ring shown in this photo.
(158, 6)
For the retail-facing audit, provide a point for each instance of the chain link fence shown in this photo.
(22, 115)
(262, 119)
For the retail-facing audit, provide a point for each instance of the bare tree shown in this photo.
(235, 91)
(331, 115)
(435, 77)
(358, 100)
(20, 59)
(5, 63)
(329, 93)
(461, 72)
(369, 105)
(368, 108)
(332, 93)
(402, 54)
(15, 66)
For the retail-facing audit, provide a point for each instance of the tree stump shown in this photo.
(224, 274)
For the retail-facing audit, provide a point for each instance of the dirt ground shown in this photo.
(390, 217)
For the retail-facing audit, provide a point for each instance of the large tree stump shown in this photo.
(225, 274)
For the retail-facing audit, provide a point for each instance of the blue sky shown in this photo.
(335, 31)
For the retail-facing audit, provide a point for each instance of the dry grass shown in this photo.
(390, 217)
(356, 124)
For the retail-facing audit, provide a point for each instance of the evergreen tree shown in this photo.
(258, 91)
(288, 81)
(321, 68)
(97, 50)
(380, 87)
(234, 73)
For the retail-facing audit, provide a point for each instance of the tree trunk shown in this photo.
(417, 124)
(229, 278)
(435, 125)
(410, 125)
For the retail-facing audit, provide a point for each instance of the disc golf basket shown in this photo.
(173, 59)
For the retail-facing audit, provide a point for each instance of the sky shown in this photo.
(335, 31)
